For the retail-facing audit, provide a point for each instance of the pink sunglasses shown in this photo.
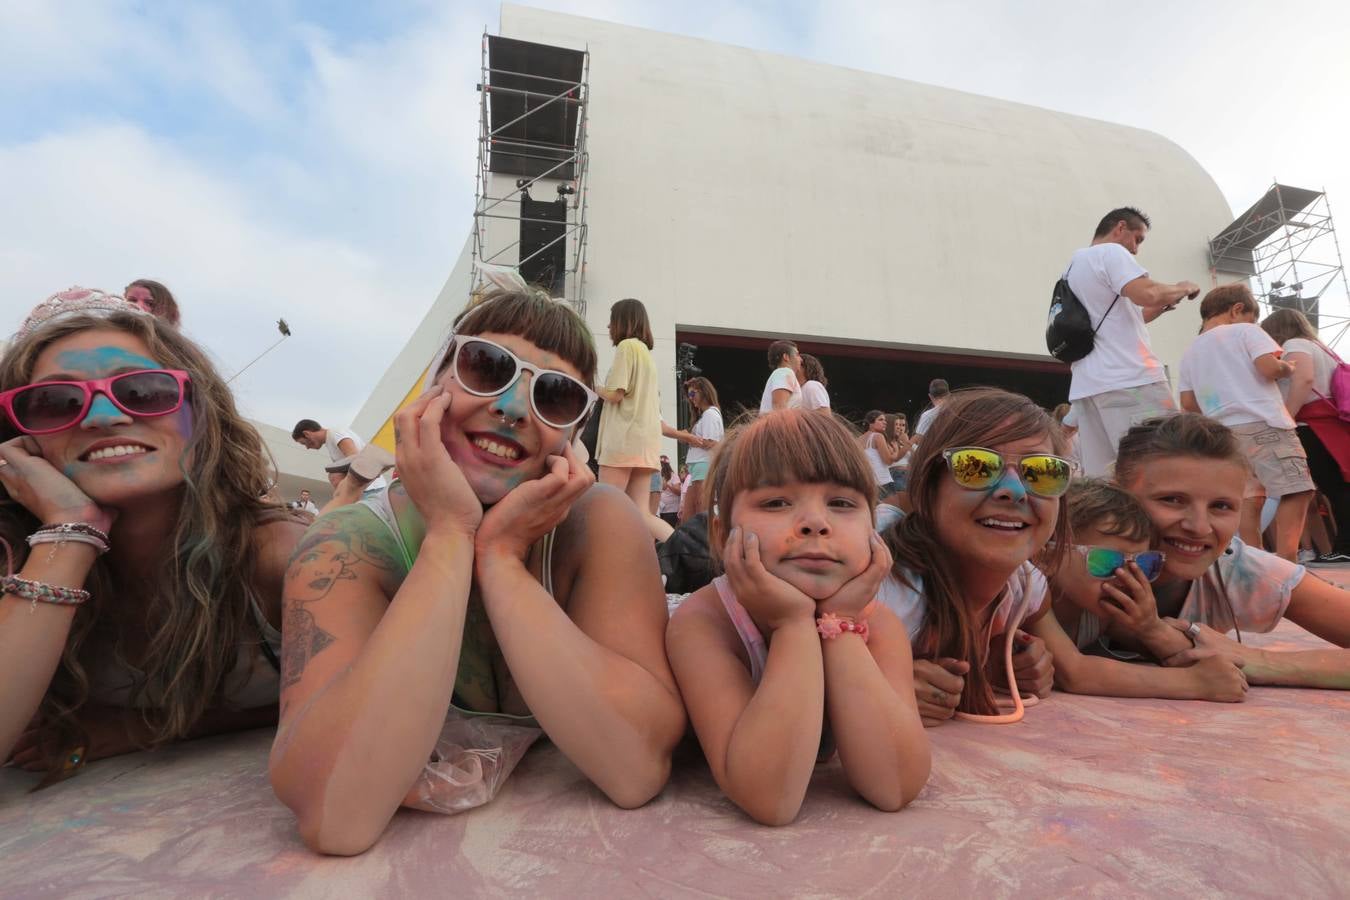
(49, 406)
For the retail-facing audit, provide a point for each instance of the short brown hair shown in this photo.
(1178, 434)
(551, 325)
(1109, 508)
(778, 350)
(629, 318)
(1223, 298)
(1133, 219)
(792, 445)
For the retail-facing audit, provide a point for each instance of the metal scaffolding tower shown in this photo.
(1287, 242)
(532, 109)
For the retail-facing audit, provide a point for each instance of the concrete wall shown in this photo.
(746, 191)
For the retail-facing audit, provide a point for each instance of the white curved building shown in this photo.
(899, 230)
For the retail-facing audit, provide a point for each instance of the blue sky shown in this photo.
(315, 160)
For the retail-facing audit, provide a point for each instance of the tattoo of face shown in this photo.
(328, 554)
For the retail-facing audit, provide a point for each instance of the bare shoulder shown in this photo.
(604, 523)
(701, 621)
(273, 543)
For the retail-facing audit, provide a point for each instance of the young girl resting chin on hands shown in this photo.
(987, 486)
(789, 641)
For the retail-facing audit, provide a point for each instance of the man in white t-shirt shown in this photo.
(339, 442)
(1229, 373)
(1121, 382)
(938, 391)
(783, 390)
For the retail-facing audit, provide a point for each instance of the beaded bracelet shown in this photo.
(831, 626)
(41, 592)
(74, 528)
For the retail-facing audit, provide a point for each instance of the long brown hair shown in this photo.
(199, 610)
(161, 303)
(706, 391)
(975, 417)
(791, 445)
(1287, 324)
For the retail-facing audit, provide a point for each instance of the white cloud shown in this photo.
(104, 205)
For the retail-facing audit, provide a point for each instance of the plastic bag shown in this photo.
(471, 761)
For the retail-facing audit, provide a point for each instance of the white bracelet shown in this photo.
(54, 537)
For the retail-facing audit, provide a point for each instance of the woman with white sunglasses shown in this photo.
(495, 576)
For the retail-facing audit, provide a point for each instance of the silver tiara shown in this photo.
(75, 300)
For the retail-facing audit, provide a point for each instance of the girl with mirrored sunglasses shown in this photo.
(495, 577)
(986, 485)
(147, 604)
(1100, 589)
(1188, 472)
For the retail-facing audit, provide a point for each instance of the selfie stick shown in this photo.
(285, 333)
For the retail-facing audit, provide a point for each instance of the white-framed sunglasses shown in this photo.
(487, 369)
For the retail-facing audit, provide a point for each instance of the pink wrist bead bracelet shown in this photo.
(831, 626)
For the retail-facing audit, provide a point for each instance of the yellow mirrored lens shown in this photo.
(976, 468)
(1046, 476)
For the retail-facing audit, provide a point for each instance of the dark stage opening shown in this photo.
(865, 378)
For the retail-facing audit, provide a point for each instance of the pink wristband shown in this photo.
(831, 626)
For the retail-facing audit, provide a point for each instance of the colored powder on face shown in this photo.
(102, 361)
(102, 410)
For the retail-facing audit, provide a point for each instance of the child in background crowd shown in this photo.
(793, 624)
(1229, 373)
(1104, 579)
(783, 390)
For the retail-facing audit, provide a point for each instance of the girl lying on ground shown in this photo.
(1188, 472)
(1106, 577)
(788, 645)
(987, 485)
(496, 575)
(147, 609)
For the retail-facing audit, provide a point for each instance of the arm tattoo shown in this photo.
(328, 553)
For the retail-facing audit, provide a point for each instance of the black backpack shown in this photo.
(1069, 334)
(684, 557)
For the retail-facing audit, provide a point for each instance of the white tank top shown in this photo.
(879, 470)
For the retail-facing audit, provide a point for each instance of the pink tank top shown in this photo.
(755, 648)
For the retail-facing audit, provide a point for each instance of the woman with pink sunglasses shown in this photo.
(133, 507)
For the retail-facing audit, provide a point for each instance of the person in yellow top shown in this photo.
(628, 448)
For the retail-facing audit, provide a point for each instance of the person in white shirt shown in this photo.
(783, 390)
(1229, 373)
(1324, 435)
(339, 442)
(938, 391)
(707, 430)
(1121, 382)
(307, 504)
(814, 395)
